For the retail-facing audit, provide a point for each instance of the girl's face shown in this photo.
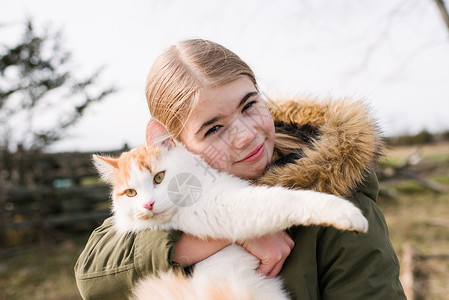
(232, 129)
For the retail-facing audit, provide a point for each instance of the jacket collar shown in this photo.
(342, 144)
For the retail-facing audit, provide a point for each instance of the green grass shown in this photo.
(437, 157)
(391, 161)
(411, 187)
(41, 272)
(440, 179)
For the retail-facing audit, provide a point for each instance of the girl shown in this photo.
(208, 98)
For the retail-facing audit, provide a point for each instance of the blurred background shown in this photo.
(72, 78)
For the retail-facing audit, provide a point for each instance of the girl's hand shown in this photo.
(272, 250)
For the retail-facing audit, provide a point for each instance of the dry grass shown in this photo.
(440, 149)
(421, 218)
(41, 272)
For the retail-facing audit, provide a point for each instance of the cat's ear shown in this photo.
(106, 166)
(157, 133)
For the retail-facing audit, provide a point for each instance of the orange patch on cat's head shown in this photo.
(144, 158)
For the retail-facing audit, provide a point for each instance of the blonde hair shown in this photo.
(181, 71)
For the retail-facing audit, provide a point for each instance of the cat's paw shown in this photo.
(348, 217)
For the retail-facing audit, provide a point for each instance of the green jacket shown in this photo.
(111, 263)
(340, 148)
(330, 264)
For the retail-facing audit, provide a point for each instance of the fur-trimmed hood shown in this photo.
(341, 144)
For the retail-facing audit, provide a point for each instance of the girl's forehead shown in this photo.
(228, 95)
(216, 103)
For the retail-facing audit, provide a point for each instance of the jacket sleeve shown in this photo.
(110, 263)
(359, 266)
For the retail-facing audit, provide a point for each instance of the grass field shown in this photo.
(41, 272)
(420, 218)
(415, 216)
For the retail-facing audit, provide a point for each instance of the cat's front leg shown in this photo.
(242, 213)
(260, 210)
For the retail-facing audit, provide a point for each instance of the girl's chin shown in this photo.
(250, 172)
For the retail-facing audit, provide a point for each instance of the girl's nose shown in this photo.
(243, 137)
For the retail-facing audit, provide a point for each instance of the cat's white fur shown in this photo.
(228, 208)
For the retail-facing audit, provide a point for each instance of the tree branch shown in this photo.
(443, 10)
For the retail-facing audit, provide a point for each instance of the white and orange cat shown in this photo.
(164, 186)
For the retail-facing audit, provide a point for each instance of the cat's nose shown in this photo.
(149, 205)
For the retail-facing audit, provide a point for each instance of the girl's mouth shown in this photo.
(255, 154)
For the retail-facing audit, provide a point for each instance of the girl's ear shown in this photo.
(106, 166)
(157, 133)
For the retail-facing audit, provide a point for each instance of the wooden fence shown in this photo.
(44, 194)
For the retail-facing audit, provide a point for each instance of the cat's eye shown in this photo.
(131, 192)
(159, 177)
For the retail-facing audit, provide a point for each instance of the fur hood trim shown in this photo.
(347, 145)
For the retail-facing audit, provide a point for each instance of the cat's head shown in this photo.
(138, 181)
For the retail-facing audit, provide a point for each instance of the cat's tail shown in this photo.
(170, 286)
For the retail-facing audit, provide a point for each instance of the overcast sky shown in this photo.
(393, 54)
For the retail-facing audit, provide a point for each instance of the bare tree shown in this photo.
(444, 12)
(40, 98)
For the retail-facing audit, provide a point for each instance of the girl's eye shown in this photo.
(159, 177)
(213, 130)
(130, 192)
(248, 105)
